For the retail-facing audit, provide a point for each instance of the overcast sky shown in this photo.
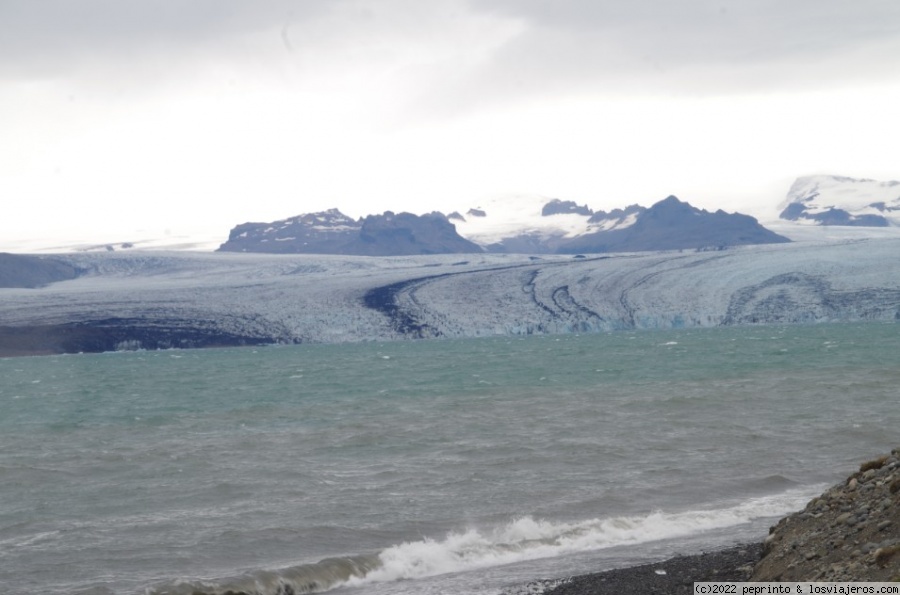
(190, 114)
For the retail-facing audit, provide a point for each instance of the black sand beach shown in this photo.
(670, 577)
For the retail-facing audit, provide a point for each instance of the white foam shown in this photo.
(528, 539)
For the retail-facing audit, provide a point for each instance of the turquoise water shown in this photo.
(424, 467)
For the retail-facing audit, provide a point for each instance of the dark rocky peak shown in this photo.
(405, 233)
(672, 224)
(565, 207)
(599, 216)
(884, 207)
(670, 207)
(476, 213)
(322, 232)
(671, 212)
(455, 216)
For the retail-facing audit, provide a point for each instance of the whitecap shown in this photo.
(527, 538)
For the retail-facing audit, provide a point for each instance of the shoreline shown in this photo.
(850, 533)
(675, 576)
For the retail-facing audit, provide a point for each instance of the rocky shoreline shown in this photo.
(851, 533)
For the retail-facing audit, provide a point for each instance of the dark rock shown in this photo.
(332, 232)
(672, 225)
(832, 216)
(565, 207)
(840, 203)
(869, 524)
(868, 466)
(619, 215)
(405, 233)
(324, 232)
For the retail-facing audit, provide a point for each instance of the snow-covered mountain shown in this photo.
(128, 300)
(533, 225)
(815, 208)
(837, 200)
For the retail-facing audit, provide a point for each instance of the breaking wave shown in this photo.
(523, 539)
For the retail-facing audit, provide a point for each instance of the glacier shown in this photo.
(127, 300)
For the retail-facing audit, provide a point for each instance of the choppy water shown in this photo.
(443, 467)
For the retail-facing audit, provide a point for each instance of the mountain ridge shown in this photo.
(815, 207)
(561, 227)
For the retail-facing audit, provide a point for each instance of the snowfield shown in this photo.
(854, 195)
(839, 200)
(130, 300)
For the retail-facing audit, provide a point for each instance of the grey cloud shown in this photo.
(51, 36)
(683, 47)
(140, 38)
(701, 30)
(563, 45)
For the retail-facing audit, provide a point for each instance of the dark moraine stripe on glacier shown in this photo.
(386, 299)
(117, 334)
(801, 298)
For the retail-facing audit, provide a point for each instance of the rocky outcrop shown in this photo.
(672, 224)
(849, 533)
(832, 216)
(616, 216)
(565, 207)
(332, 232)
(324, 232)
(398, 234)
